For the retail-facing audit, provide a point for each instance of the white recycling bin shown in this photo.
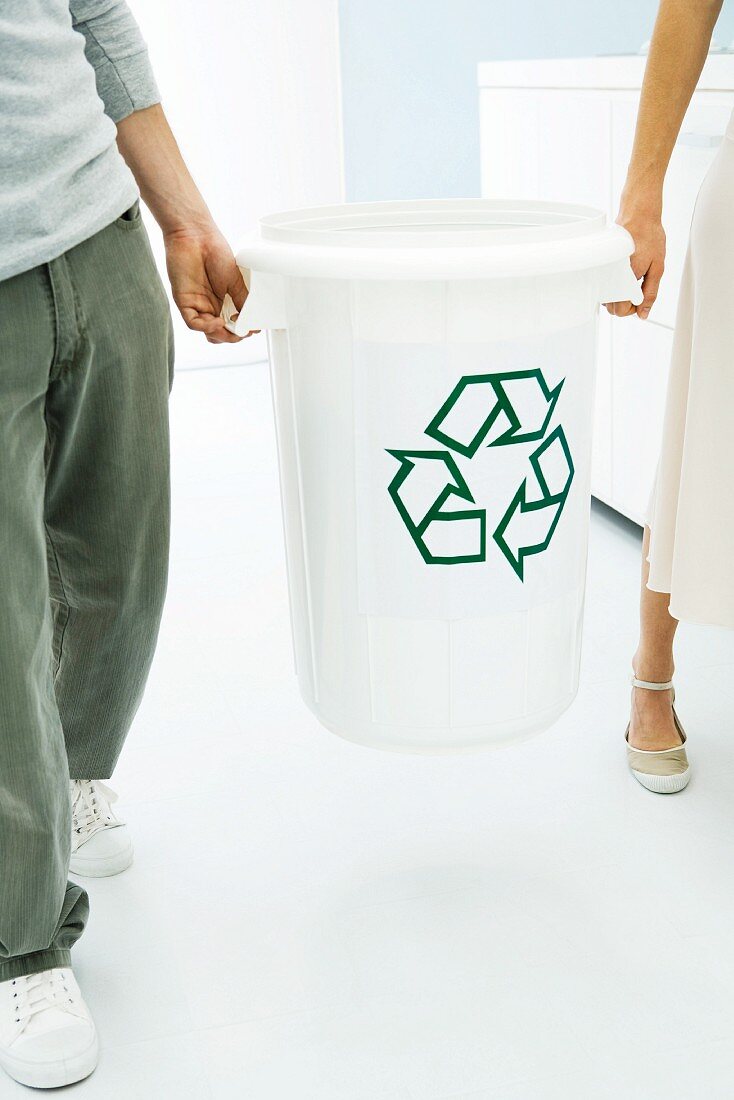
(433, 376)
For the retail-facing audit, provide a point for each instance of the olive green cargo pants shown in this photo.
(86, 356)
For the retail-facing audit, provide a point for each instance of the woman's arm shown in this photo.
(678, 50)
(200, 263)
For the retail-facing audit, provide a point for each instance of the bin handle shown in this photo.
(621, 285)
(228, 311)
(264, 306)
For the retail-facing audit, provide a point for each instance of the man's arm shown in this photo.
(200, 263)
(678, 49)
(115, 49)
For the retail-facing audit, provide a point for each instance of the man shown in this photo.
(85, 370)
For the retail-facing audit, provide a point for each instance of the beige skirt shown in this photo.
(691, 508)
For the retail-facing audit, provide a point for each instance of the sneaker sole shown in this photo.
(663, 784)
(101, 868)
(50, 1075)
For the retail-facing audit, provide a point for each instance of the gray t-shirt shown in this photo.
(69, 70)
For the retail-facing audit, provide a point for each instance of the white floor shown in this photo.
(309, 920)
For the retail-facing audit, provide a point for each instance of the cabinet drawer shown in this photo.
(641, 359)
(701, 134)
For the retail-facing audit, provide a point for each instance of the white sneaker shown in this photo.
(100, 841)
(47, 1036)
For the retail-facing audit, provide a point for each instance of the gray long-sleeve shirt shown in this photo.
(69, 70)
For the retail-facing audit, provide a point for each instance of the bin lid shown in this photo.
(429, 239)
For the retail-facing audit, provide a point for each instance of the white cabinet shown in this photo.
(563, 130)
(533, 139)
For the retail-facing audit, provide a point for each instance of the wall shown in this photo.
(409, 78)
(252, 92)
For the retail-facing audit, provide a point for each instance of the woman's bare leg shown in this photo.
(651, 723)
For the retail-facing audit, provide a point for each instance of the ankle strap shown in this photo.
(650, 686)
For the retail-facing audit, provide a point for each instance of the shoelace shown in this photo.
(90, 806)
(34, 993)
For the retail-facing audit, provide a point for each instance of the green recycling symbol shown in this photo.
(430, 483)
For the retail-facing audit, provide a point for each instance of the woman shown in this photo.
(688, 545)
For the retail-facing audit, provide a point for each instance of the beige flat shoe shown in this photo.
(664, 771)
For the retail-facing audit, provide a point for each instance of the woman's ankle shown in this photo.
(655, 667)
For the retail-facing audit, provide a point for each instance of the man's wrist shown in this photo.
(194, 229)
(179, 217)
